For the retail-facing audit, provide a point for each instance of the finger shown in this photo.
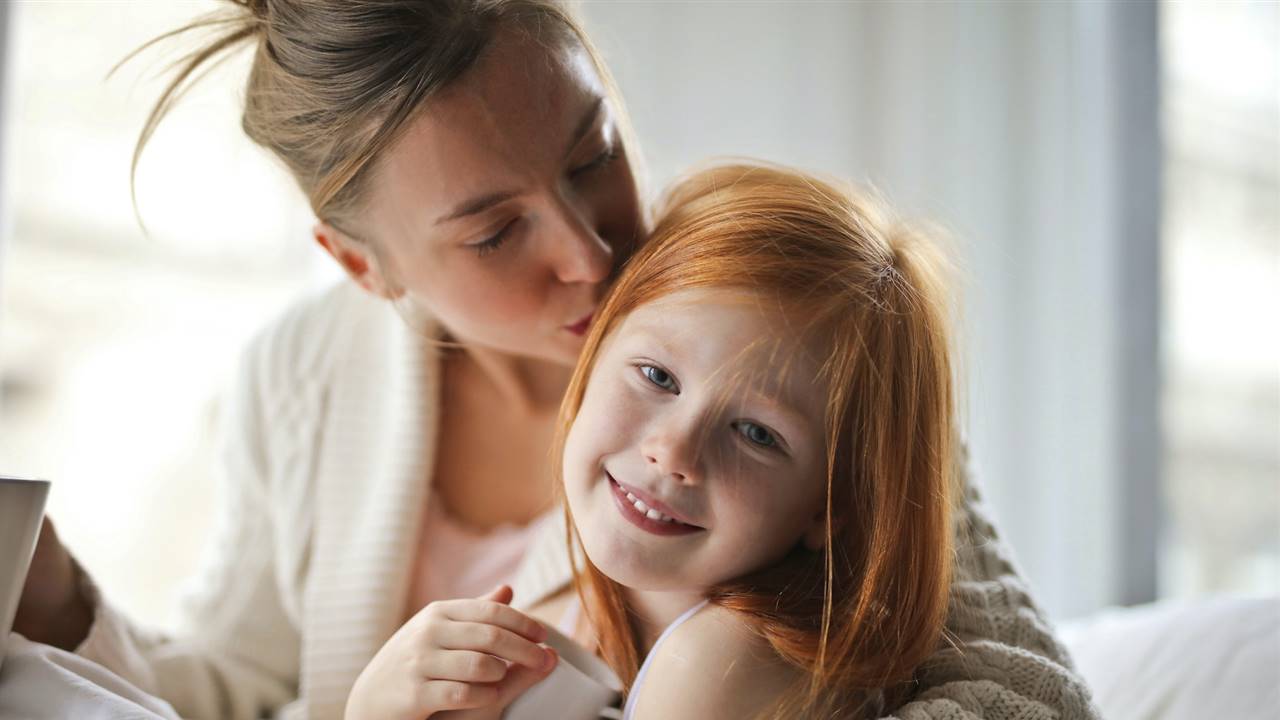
(521, 678)
(452, 695)
(493, 613)
(492, 640)
(501, 594)
(464, 666)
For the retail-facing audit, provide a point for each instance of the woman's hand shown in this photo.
(52, 610)
(453, 655)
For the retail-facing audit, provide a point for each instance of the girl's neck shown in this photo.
(654, 610)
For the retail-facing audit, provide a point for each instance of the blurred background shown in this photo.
(1110, 174)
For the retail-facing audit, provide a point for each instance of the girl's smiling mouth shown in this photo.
(644, 515)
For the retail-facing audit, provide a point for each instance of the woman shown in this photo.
(387, 445)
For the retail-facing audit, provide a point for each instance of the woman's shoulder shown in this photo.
(713, 666)
(308, 339)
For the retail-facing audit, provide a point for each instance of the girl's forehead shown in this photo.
(721, 311)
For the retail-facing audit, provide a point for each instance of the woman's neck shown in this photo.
(654, 610)
(524, 385)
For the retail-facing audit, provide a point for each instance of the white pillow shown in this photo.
(1218, 658)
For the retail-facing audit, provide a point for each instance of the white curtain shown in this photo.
(1031, 131)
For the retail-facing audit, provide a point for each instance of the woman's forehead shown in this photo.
(502, 127)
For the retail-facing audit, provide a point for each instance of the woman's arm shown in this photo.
(1007, 663)
(237, 655)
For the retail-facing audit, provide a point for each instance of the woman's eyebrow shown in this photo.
(479, 204)
(585, 124)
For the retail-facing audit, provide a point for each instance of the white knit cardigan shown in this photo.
(328, 441)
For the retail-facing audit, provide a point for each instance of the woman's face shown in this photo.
(507, 203)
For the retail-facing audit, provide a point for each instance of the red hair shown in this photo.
(866, 610)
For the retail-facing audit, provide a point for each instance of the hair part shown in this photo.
(863, 613)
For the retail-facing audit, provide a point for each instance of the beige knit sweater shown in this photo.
(327, 445)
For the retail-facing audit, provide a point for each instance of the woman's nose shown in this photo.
(580, 255)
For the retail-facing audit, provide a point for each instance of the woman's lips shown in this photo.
(625, 500)
(579, 328)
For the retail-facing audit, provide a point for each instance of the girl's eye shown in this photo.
(756, 434)
(488, 245)
(608, 155)
(660, 377)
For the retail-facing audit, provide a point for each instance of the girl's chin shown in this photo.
(618, 561)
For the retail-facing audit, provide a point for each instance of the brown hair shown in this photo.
(334, 82)
(864, 612)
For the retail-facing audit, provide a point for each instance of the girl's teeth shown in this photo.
(648, 511)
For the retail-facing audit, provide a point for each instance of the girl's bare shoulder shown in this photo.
(713, 666)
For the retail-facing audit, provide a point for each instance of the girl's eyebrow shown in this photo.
(789, 412)
(777, 397)
(648, 334)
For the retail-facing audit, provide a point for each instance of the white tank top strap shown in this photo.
(569, 620)
(629, 709)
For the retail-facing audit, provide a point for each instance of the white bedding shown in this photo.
(39, 681)
(1218, 658)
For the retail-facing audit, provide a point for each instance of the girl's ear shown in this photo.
(356, 257)
(815, 537)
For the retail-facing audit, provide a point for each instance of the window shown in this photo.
(114, 343)
(1221, 303)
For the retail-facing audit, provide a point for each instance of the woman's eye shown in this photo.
(493, 242)
(608, 155)
(659, 377)
(756, 434)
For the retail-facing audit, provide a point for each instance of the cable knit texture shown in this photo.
(327, 445)
(1005, 661)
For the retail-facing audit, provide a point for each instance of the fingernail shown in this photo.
(550, 662)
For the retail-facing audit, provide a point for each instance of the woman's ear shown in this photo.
(356, 258)
(815, 537)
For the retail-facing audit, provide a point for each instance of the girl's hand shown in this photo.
(52, 609)
(453, 655)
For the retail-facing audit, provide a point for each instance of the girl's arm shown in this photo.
(711, 668)
(1008, 664)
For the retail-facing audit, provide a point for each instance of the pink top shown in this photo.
(459, 561)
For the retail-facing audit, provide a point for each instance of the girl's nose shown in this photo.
(672, 453)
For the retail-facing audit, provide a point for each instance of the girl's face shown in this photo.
(507, 202)
(697, 455)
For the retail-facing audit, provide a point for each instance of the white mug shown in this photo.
(581, 687)
(21, 511)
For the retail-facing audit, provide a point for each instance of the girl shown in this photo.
(760, 454)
